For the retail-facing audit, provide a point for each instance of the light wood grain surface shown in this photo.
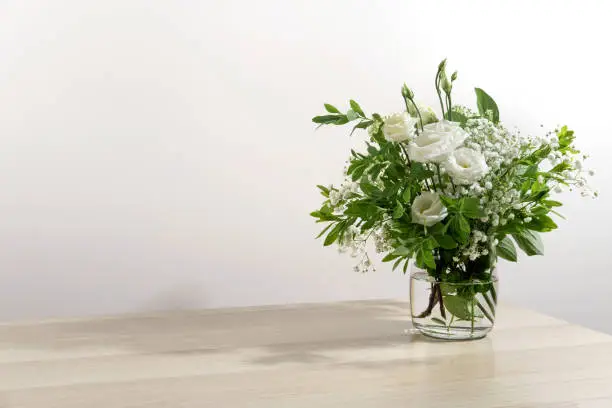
(351, 354)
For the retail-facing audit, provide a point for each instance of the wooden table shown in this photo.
(351, 354)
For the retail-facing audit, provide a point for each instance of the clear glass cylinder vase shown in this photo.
(453, 310)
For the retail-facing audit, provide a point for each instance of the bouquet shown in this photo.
(451, 191)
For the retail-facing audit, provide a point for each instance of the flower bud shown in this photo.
(407, 92)
(442, 65)
(445, 83)
(454, 76)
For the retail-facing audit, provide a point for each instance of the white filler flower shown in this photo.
(466, 166)
(399, 127)
(436, 142)
(427, 209)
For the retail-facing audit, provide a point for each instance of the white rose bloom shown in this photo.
(427, 209)
(466, 166)
(399, 127)
(436, 142)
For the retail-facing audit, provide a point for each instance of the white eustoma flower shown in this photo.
(466, 166)
(399, 127)
(427, 209)
(436, 142)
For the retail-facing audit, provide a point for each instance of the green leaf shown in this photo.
(341, 120)
(566, 137)
(331, 108)
(398, 211)
(486, 103)
(424, 257)
(437, 229)
(552, 203)
(541, 223)
(396, 264)
(333, 234)
(389, 257)
(355, 106)
(438, 320)
(531, 171)
(540, 210)
(338, 119)
(373, 151)
(506, 249)
(362, 125)
(375, 169)
(351, 115)
(324, 190)
(358, 171)
(323, 216)
(370, 189)
(354, 164)
(458, 117)
(449, 202)
(470, 207)
(324, 231)
(358, 209)
(543, 152)
(561, 167)
(460, 228)
(402, 251)
(458, 307)
(536, 196)
(529, 242)
(526, 186)
(446, 242)
(406, 263)
(407, 195)
(419, 172)
(557, 214)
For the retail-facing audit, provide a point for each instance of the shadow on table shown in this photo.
(286, 334)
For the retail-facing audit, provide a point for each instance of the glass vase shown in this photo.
(452, 310)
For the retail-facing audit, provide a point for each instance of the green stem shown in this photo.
(450, 107)
(433, 300)
(489, 303)
(417, 111)
(406, 154)
(433, 181)
(494, 294)
(439, 177)
(439, 93)
(473, 316)
(442, 309)
(485, 312)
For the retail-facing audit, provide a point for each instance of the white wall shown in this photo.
(159, 154)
